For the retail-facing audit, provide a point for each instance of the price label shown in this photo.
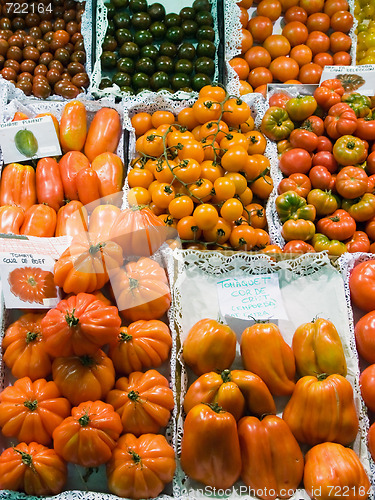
(255, 297)
(360, 79)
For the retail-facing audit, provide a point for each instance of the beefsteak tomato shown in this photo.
(32, 284)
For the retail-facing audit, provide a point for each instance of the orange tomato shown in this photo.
(141, 122)
(301, 54)
(277, 45)
(187, 119)
(257, 142)
(206, 216)
(284, 68)
(240, 66)
(257, 56)
(187, 228)
(161, 118)
(260, 76)
(104, 133)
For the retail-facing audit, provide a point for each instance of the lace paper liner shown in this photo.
(86, 29)
(101, 29)
(217, 264)
(164, 258)
(233, 41)
(346, 263)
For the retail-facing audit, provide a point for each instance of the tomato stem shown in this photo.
(84, 420)
(125, 337)
(31, 281)
(226, 376)
(71, 319)
(31, 336)
(133, 283)
(31, 405)
(96, 248)
(322, 376)
(87, 360)
(133, 396)
(26, 458)
(135, 457)
(215, 407)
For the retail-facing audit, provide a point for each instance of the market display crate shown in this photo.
(310, 287)
(104, 77)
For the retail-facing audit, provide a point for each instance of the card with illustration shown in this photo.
(360, 79)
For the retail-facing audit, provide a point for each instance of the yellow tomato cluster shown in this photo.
(365, 14)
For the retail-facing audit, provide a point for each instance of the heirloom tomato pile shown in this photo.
(204, 172)
(326, 153)
(50, 196)
(291, 41)
(231, 413)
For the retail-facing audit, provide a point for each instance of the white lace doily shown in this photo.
(201, 266)
(97, 74)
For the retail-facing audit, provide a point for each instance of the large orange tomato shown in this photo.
(40, 220)
(71, 219)
(104, 133)
(73, 126)
(32, 284)
(110, 170)
(18, 186)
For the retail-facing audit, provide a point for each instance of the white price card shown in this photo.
(255, 297)
(27, 281)
(29, 139)
(360, 79)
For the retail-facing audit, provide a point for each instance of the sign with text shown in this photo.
(27, 281)
(360, 79)
(255, 297)
(27, 139)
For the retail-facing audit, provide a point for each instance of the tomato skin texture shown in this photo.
(329, 93)
(141, 290)
(85, 264)
(206, 334)
(110, 171)
(291, 206)
(334, 247)
(18, 186)
(49, 187)
(32, 284)
(351, 182)
(73, 126)
(89, 435)
(314, 124)
(330, 465)
(324, 201)
(295, 160)
(210, 449)
(358, 243)
(140, 457)
(316, 400)
(71, 219)
(361, 209)
(84, 378)
(365, 337)
(301, 138)
(339, 226)
(97, 325)
(362, 285)
(276, 124)
(349, 150)
(341, 120)
(143, 401)
(46, 474)
(263, 341)
(325, 159)
(104, 133)
(279, 100)
(143, 344)
(11, 219)
(32, 410)
(70, 164)
(300, 108)
(317, 348)
(40, 220)
(299, 229)
(269, 442)
(138, 231)
(23, 346)
(88, 187)
(299, 183)
(298, 247)
(365, 129)
(234, 391)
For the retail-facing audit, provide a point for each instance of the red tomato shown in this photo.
(342, 21)
(40, 220)
(362, 285)
(301, 54)
(299, 183)
(302, 138)
(342, 58)
(312, 6)
(277, 45)
(324, 144)
(321, 178)
(259, 76)
(340, 42)
(296, 32)
(314, 124)
(295, 160)
(351, 182)
(295, 13)
(370, 163)
(260, 27)
(269, 8)
(310, 73)
(318, 42)
(256, 57)
(318, 22)
(332, 6)
(338, 226)
(284, 68)
(279, 99)
(104, 133)
(240, 66)
(367, 383)
(323, 59)
(371, 440)
(326, 159)
(298, 246)
(49, 187)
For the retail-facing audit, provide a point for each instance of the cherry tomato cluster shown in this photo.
(362, 287)
(313, 34)
(364, 11)
(51, 199)
(327, 196)
(204, 172)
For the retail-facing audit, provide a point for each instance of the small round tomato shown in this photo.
(295, 160)
(342, 21)
(257, 57)
(301, 54)
(231, 209)
(323, 59)
(214, 92)
(188, 229)
(269, 8)
(256, 215)
(299, 183)
(362, 285)
(284, 68)
(318, 22)
(279, 99)
(312, 6)
(187, 170)
(240, 66)
(180, 207)
(206, 109)
(321, 178)
(342, 58)
(163, 194)
(206, 216)
(141, 122)
(139, 177)
(295, 13)
(324, 144)
(243, 237)
(277, 45)
(224, 188)
(332, 6)
(340, 42)
(302, 138)
(219, 233)
(201, 190)
(296, 32)
(365, 337)
(325, 159)
(260, 27)
(138, 196)
(351, 182)
(367, 384)
(298, 246)
(260, 76)
(161, 118)
(257, 142)
(235, 112)
(211, 170)
(187, 119)
(310, 73)
(318, 42)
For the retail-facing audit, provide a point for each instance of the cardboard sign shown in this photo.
(255, 297)
(43, 129)
(360, 79)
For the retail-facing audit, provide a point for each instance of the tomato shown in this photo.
(234, 139)
(349, 150)
(364, 336)
(18, 186)
(257, 142)
(318, 42)
(342, 58)
(31, 411)
(339, 226)
(161, 117)
(256, 57)
(79, 325)
(358, 243)
(73, 126)
(262, 187)
(11, 219)
(340, 42)
(295, 160)
(351, 182)
(299, 183)
(240, 66)
(370, 440)
(210, 449)
(367, 383)
(277, 45)
(235, 112)
(279, 99)
(298, 230)
(332, 6)
(245, 88)
(140, 467)
(324, 201)
(312, 6)
(329, 93)
(224, 188)
(295, 13)
(206, 109)
(318, 21)
(325, 159)
(260, 76)
(213, 91)
(141, 122)
(256, 215)
(32, 468)
(341, 120)
(362, 285)
(243, 237)
(260, 27)
(324, 144)
(70, 164)
(269, 8)
(89, 435)
(187, 228)
(370, 228)
(201, 190)
(361, 209)
(366, 129)
(301, 54)
(276, 124)
(323, 59)
(104, 133)
(235, 159)
(302, 138)
(49, 187)
(342, 21)
(298, 247)
(40, 220)
(322, 243)
(206, 216)
(300, 108)
(310, 73)
(88, 186)
(296, 32)
(284, 68)
(320, 178)
(213, 130)
(71, 219)
(32, 284)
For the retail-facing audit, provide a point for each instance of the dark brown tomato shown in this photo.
(79, 56)
(28, 66)
(63, 56)
(15, 53)
(76, 37)
(35, 32)
(41, 69)
(45, 27)
(4, 46)
(6, 34)
(18, 23)
(70, 15)
(11, 63)
(81, 80)
(56, 65)
(25, 75)
(71, 27)
(32, 19)
(66, 89)
(42, 46)
(53, 76)
(8, 74)
(25, 86)
(29, 41)
(47, 37)
(31, 53)
(59, 24)
(45, 58)
(5, 23)
(41, 88)
(69, 47)
(2, 60)
(79, 45)
(75, 67)
(15, 41)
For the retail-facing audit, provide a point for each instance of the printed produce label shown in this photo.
(360, 79)
(29, 139)
(256, 297)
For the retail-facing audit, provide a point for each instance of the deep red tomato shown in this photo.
(295, 13)
(365, 129)
(325, 159)
(338, 226)
(295, 161)
(341, 120)
(279, 99)
(298, 246)
(302, 138)
(367, 383)
(324, 144)
(329, 93)
(370, 163)
(314, 124)
(359, 242)
(362, 285)
(321, 178)
(340, 42)
(351, 182)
